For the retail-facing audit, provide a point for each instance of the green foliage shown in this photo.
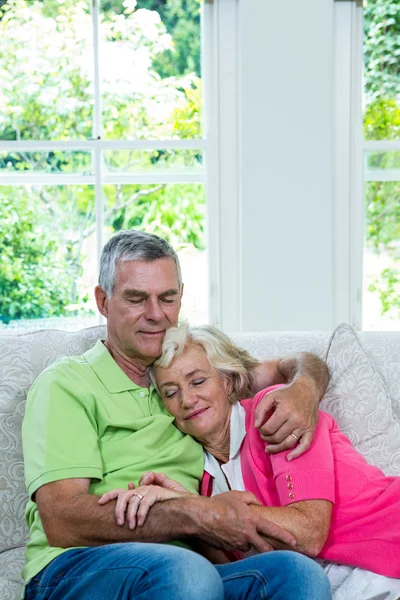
(387, 286)
(382, 120)
(382, 48)
(182, 21)
(382, 206)
(33, 280)
(186, 117)
(174, 212)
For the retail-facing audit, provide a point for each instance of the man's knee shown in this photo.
(309, 575)
(196, 578)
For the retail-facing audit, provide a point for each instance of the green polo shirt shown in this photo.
(86, 419)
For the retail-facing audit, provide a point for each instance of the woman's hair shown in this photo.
(228, 360)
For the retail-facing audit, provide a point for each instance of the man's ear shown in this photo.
(101, 300)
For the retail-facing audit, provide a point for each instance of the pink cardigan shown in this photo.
(365, 524)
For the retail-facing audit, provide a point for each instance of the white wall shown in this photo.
(285, 227)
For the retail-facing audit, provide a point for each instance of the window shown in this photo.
(381, 119)
(101, 129)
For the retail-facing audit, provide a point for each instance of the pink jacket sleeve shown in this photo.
(309, 477)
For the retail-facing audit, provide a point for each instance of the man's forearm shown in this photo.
(307, 367)
(72, 517)
(83, 522)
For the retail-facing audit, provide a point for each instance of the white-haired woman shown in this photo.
(338, 507)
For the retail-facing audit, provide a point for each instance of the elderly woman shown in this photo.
(338, 507)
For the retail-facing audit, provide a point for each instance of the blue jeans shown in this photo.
(144, 571)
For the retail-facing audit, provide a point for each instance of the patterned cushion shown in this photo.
(384, 350)
(358, 399)
(282, 343)
(11, 563)
(22, 358)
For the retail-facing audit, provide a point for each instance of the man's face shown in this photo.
(145, 303)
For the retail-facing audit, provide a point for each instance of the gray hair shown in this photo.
(223, 355)
(132, 245)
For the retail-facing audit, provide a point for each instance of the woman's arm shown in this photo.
(307, 520)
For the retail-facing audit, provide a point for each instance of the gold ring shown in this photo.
(138, 495)
(295, 437)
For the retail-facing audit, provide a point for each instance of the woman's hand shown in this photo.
(152, 478)
(135, 503)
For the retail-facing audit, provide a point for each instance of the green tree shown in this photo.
(33, 279)
(182, 21)
(382, 48)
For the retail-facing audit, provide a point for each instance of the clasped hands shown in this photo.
(226, 521)
(134, 503)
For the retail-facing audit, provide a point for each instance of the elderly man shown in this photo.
(94, 423)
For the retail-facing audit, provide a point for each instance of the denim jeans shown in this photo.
(144, 571)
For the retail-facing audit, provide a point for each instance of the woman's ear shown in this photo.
(228, 383)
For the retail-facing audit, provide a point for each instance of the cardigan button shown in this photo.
(288, 478)
(290, 486)
(291, 495)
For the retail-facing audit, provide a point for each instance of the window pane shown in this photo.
(52, 162)
(381, 299)
(175, 213)
(46, 64)
(157, 161)
(381, 70)
(381, 294)
(382, 160)
(48, 249)
(150, 69)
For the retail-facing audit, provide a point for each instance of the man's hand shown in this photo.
(294, 416)
(229, 522)
(288, 416)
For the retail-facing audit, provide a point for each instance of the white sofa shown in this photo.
(364, 396)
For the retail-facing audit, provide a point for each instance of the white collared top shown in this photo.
(229, 475)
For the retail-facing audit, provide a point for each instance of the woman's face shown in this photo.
(195, 394)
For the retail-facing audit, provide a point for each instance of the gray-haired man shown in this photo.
(94, 423)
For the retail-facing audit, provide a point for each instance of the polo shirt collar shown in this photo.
(107, 370)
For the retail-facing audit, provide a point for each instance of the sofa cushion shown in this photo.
(11, 563)
(384, 350)
(359, 401)
(282, 343)
(22, 358)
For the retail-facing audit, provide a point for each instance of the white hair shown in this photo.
(223, 355)
(132, 245)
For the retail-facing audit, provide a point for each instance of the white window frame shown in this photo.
(348, 214)
(222, 162)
